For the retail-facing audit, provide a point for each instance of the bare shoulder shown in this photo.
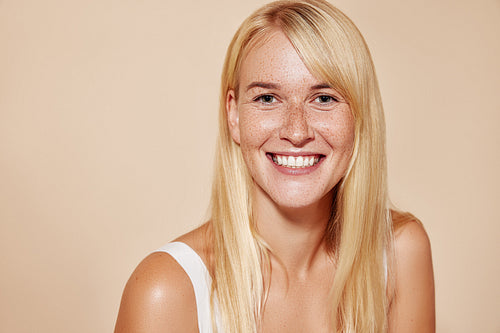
(158, 297)
(411, 239)
(412, 309)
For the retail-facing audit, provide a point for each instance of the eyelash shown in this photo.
(331, 99)
(261, 99)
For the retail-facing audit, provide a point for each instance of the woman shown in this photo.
(301, 236)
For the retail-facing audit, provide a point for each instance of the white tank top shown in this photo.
(195, 268)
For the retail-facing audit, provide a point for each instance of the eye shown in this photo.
(265, 99)
(325, 99)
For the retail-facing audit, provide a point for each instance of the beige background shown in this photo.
(107, 128)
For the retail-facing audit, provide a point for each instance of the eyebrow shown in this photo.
(264, 85)
(321, 86)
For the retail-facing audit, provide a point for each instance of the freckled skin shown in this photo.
(292, 119)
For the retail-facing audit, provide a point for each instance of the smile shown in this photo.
(295, 162)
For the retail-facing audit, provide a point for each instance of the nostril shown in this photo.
(297, 130)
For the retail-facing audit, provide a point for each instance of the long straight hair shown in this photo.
(359, 234)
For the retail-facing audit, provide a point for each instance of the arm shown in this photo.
(158, 297)
(412, 308)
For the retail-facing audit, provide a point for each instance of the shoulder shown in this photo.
(158, 297)
(412, 309)
(200, 241)
(411, 239)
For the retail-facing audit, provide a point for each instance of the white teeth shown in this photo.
(295, 162)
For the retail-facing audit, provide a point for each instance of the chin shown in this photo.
(297, 200)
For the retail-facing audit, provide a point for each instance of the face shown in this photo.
(296, 133)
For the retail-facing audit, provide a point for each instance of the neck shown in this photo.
(295, 235)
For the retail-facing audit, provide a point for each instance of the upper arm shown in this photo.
(158, 297)
(412, 309)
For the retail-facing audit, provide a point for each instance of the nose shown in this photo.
(295, 126)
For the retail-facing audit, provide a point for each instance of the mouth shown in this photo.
(295, 162)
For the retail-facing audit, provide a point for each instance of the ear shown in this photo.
(233, 116)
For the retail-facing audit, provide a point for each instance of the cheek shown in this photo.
(256, 127)
(338, 130)
(345, 135)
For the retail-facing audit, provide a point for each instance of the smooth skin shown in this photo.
(288, 111)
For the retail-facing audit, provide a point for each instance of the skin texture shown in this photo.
(413, 308)
(281, 108)
(285, 115)
(158, 297)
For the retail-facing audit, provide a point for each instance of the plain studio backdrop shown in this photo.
(108, 113)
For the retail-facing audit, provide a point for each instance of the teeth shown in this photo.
(295, 162)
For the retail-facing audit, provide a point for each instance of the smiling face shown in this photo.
(296, 133)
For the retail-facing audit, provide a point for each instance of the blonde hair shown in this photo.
(360, 231)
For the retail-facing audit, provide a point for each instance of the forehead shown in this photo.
(274, 59)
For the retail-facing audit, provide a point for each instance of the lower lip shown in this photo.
(295, 171)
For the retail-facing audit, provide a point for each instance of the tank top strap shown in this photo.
(200, 278)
